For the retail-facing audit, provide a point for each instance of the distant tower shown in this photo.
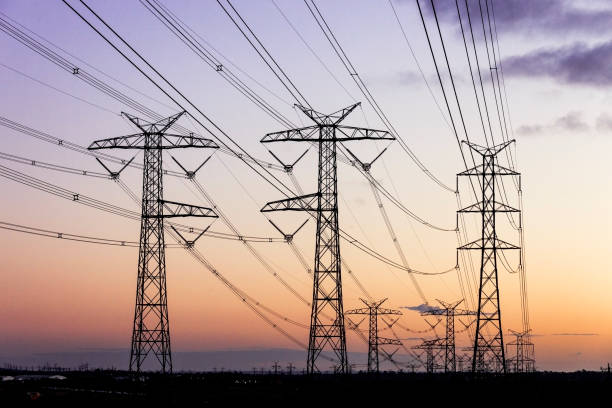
(327, 288)
(449, 311)
(488, 340)
(151, 331)
(373, 310)
(523, 360)
(433, 349)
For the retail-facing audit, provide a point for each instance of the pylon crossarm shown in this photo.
(496, 169)
(504, 171)
(305, 134)
(497, 207)
(389, 312)
(139, 123)
(383, 341)
(347, 133)
(331, 119)
(488, 151)
(182, 141)
(430, 344)
(135, 141)
(160, 126)
(479, 244)
(164, 124)
(434, 312)
(341, 114)
(168, 141)
(364, 310)
(306, 202)
(463, 312)
(173, 209)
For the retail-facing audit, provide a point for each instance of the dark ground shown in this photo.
(96, 388)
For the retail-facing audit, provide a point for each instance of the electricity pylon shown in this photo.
(327, 288)
(449, 311)
(488, 340)
(523, 360)
(151, 331)
(433, 348)
(373, 310)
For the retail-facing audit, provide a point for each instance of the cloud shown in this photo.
(408, 78)
(530, 130)
(422, 308)
(570, 122)
(578, 63)
(575, 334)
(604, 123)
(527, 16)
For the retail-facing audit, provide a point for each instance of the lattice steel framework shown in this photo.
(488, 340)
(373, 310)
(433, 348)
(449, 311)
(523, 360)
(151, 330)
(327, 287)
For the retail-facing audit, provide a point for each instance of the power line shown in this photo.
(316, 13)
(175, 26)
(286, 192)
(105, 88)
(194, 45)
(345, 155)
(49, 166)
(312, 51)
(293, 91)
(67, 236)
(79, 198)
(95, 105)
(416, 61)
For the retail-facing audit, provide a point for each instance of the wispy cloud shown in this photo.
(527, 16)
(578, 63)
(604, 123)
(570, 122)
(421, 308)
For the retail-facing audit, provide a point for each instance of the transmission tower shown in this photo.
(433, 349)
(151, 332)
(327, 288)
(449, 311)
(488, 340)
(373, 310)
(523, 360)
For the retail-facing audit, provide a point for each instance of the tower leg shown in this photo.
(488, 341)
(327, 288)
(151, 332)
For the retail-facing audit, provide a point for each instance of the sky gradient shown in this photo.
(60, 296)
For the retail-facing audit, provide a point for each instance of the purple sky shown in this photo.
(555, 59)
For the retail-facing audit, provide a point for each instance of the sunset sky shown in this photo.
(60, 296)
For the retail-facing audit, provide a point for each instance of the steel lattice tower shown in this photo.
(327, 287)
(449, 311)
(151, 331)
(523, 360)
(373, 310)
(488, 340)
(433, 349)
